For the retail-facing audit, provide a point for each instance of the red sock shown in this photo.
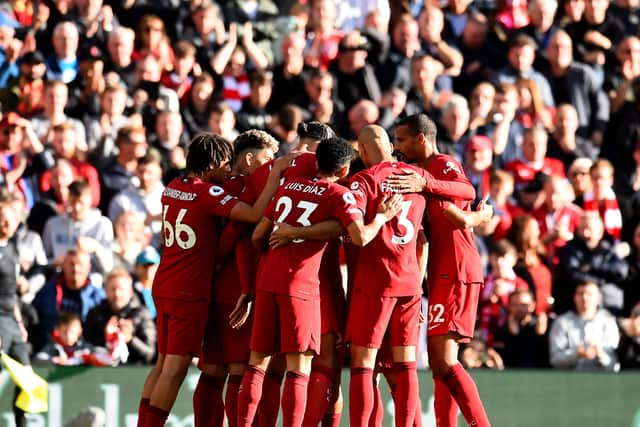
(249, 395)
(142, 411)
(155, 417)
(319, 394)
(465, 392)
(231, 399)
(445, 406)
(377, 412)
(294, 399)
(417, 419)
(270, 405)
(360, 397)
(331, 420)
(208, 407)
(406, 393)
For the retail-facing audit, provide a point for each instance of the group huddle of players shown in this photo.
(249, 280)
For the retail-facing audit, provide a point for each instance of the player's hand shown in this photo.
(407, 182)
(282, 235)
(390, 206)
(282, 163)
(241, 311)
(485, 209)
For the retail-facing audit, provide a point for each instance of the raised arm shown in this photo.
(413, 182)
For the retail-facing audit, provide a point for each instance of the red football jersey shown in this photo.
(190, 212)
(388, 264)
(304, 165)
(294, 269)
(452, 251)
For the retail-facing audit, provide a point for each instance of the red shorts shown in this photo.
(371, 317)
(285, 324)
(452, 308)
(181, 325)
(223, 344)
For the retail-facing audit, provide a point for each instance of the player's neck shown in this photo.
(327, 177)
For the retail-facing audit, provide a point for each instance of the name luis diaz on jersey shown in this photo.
(311, 189)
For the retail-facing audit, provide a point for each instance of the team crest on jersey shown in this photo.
(349, 199)
(354, 185)
(450, 166)
(215, 191)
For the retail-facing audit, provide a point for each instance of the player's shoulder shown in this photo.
(443, 164)
(303, 165)
(235, 184)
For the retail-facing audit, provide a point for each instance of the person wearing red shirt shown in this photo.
(226, 342)
(287, 291)
(454, 275)
(603, 199)
(192, 205)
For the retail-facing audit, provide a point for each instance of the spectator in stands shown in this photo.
(117, 172)
(149, 96)
(151, 39)
(86, 88)
(169, 140)
(522, 342)
(585, 339)
(573, 11)
(10, 46)
(55, 201)
(317, 99)
(24, 93)
(520, 56)
(629, 349)
(56, 95)
(531, 265)
(195, 114)
(66, 346)
(364, 112)
(504, 209)
(355, 77)
(580, 178)
(590, 257)
(503, 128)
(146, 267)
(542, 26)
(284, 126)
(322, 36)
(477, 354)
(531, 110)
(405, 43)
(619, 79)
(254, 113)
(129, 239)
(431, 28)
(103, 130)
(424, 94)
(453, 127)
(577, 84)
(480, 104)
(630, 285)
(64, 146)
(95, 21)
(119, 67)
(288, 75)
(565, 143)
(184, 68)
(557, 217)
(81, 227)
(261, 17)
(222, 121)
(478, 154)
(69, 291)
(62, 64)
(121, 316)
(603, 199)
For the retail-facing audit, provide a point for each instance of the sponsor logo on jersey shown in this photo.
(450, 166)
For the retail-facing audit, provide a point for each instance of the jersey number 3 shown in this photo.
(179, 233)
(403, 220)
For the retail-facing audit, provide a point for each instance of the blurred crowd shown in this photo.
(539, 100)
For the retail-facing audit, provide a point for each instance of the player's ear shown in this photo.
(344, 171)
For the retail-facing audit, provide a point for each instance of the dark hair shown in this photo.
(260, 78)
(315, 130)
(151, 156)
(419, 124)
(207, 148)
(78, 187)
(66, 318)
(521, 40)
(255, 140)
(333, 154)
(502, 247)
(289, 116)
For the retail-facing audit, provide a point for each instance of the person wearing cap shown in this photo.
(121, 314)
(355, 77)
(146, 266)
(25, 92)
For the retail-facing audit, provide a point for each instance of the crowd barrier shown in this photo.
(512, 398)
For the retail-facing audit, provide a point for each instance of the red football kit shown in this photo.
(287, 290)
(182, 286)
(387, 289)
(454, 269)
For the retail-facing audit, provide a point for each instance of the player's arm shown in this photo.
(422, 253)
(362, 234)
(468, 219)
(259, 237)
(246, 213)
(413, 182)
(284, 233)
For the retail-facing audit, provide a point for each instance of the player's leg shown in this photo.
(250, 391)
(236, 371)
(403, 338)
(147, 388)
(165, 391)
(208, 406)
(333, 416)
(269, 406)
(294, 394)
(322, 381)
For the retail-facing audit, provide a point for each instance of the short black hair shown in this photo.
(419, 124)
(66, 318)
(78, 187)
(207, 148)
(315, 130)
(333, 154)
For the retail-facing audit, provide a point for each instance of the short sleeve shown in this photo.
(347, 210)
(217, 201)
(360, 189)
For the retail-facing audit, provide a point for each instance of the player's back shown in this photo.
(453, 254)
(190, 208)
(293, 269)
(388, 265)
